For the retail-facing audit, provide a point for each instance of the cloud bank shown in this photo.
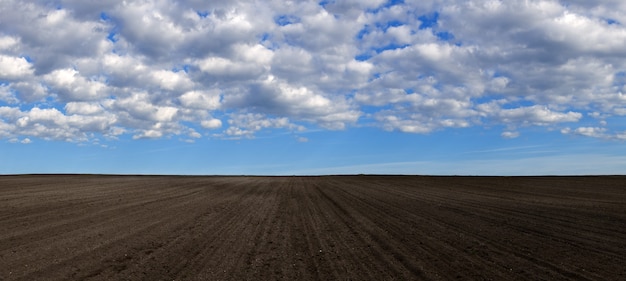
(82, 70)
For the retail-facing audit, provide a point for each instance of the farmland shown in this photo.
(95, 227)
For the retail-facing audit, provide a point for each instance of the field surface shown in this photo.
(89, 227)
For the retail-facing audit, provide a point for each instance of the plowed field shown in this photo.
(89, 227)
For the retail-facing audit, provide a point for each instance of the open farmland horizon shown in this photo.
(323, 175)
(376, 227)
(312, 140)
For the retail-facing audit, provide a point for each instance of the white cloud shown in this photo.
(596, 132)
(50, 123)
(53, 37)
(71, 86)
(531, 115)
(227, 69)
(148, 134)
(417, 123)
(139, 107)
(6, 95)
(83, 108)
(30, 90)
(158, 68)
(211, 124)
(247, 124)
(169, 80)
(7, 42)
(510, 135)
(257, 54)
(193, 134)
(14, 68)
(280, 98)
(201, 100)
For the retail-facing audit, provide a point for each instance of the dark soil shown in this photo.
(89, 227)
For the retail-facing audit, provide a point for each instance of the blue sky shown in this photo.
(309, 87)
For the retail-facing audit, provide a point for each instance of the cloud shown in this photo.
(7, 42)
(50, 123)
(193, 134)
(510, 135)
(7, 95)
(76, 70)
(71, 86)
(247, 124)
(211, 124)
(595, 132)
(14, 68)
(585, 131)
(200, 100)
(83, 108)
(535, 115)
(54, 38)
(280, 98)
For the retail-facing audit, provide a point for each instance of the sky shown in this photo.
(447, 87)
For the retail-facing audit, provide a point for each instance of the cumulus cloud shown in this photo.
(50, 123)
(200, 100)
(83, 108)
(7, 42)
(245, 125)
(73, 87)
(76, 70)
(7, 95)
(535, 115)
(211, 124)
(595, 132)
(14, 68)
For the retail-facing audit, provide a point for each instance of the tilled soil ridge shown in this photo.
(91, 227)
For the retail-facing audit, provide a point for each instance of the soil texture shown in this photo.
(94, 227)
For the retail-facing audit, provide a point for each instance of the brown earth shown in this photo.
(88, 227)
